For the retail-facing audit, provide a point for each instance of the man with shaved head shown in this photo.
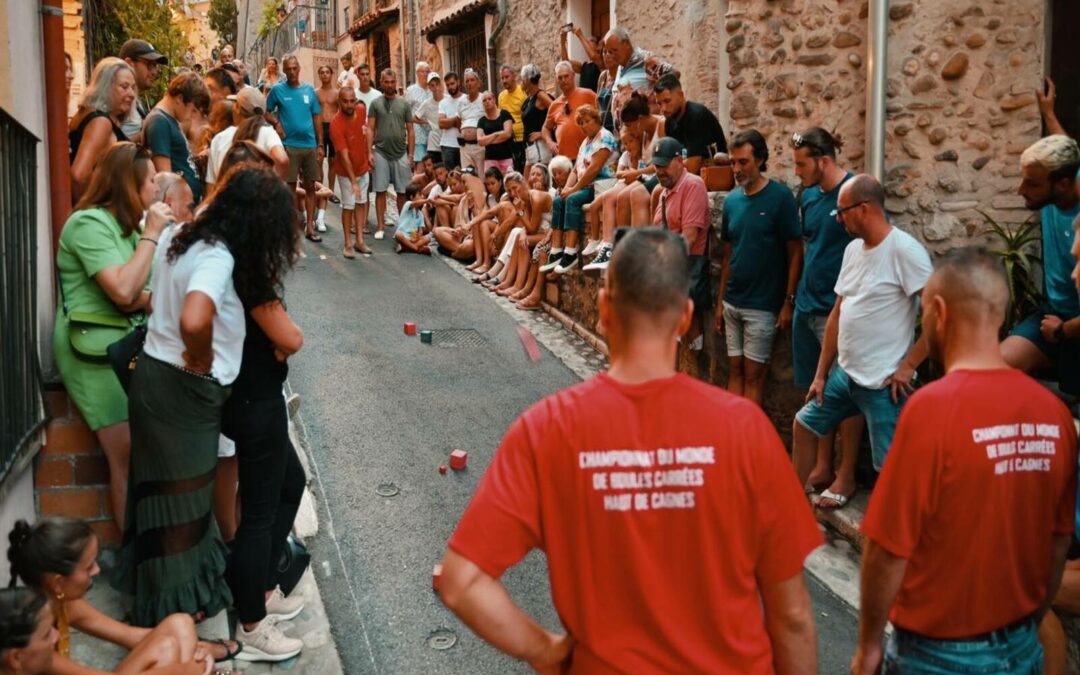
(869, 331)
(969, 524)
(648, 504)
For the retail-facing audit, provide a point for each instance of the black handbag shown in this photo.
(292, 564)
(123, 355)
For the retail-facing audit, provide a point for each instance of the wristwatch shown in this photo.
(791, 299)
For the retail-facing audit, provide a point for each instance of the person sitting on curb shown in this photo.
(28, 635)
(1046, 339)
(524, 216)
(763, 252)
(58, 558)
(870, 331)
(737, 592)
(412, 235)
(969, 524)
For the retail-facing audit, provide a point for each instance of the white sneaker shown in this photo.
(320, 226)
(282, 607)
(600, 262)
(592, 247)
(266, 642)
(379, 234)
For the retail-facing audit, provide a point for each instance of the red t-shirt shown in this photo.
(660, 506)
(980, 476)
(348, 134)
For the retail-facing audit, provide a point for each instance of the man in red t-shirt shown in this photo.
(970, 521)
(352, 146)
(674, 526)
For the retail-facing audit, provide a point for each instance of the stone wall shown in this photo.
(688, 33)
(961, 102)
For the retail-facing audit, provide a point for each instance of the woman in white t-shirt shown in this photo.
(248, 125)
(174, 557)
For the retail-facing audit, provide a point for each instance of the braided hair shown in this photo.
(52, 546)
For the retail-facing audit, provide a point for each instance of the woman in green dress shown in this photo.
(103, 262)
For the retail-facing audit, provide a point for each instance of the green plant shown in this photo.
(113, 22)
(1018, 248)
(269, 19)
(222, 17)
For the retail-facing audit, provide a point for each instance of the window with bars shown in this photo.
(467, 49)
(380, 54)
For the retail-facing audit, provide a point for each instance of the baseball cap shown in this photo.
(667, 149)
(250, 100)
(432, 76)
(141, 49)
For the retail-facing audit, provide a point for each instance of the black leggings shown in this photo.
(271, 485)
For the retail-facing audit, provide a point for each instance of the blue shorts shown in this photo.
(1015, 650)
(1064, 357)
(807, 336)
(844, 398)
(419, 152)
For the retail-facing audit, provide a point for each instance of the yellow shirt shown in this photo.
(511, 102)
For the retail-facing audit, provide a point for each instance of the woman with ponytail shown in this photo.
(58, 559)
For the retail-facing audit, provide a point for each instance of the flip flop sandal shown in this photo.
(839, 500)
(362, 250)
(313, 237)
(348, 254)
(229, 655)
(528, 308)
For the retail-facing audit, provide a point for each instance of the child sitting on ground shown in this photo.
(411, 235)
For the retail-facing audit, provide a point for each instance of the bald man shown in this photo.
(176, 193)
(970, 521)
(870, 332)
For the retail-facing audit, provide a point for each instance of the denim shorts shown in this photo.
(807, 336)
(844, 398)
(749, 332)
(1018, 651)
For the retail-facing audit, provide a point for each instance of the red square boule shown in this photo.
(458, 458)
(442, 469)
(410, 328)
(436, 572)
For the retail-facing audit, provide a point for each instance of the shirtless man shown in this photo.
(327, 94)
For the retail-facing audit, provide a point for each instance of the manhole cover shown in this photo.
(457, 338)
(387, 490)
(441, 639)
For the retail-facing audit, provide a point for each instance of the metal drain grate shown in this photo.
(457, 338)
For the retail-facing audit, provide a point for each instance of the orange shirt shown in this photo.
(560, 119)
(980, 476)
(349, 135)
(660, 507)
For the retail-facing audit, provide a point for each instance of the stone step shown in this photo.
(846, 521)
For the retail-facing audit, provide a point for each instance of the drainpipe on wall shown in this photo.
(413, 23)
(52, 30)
(504, 9)
(876, 69)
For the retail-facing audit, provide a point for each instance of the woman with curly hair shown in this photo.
(57, 558)
(239, 246)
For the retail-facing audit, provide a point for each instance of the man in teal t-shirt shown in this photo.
(762, 259)
(1048, 338)
(164, 136)
(296, 107)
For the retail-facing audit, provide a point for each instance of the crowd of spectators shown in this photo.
(195, 201)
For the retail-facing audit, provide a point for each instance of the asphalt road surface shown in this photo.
(382, 408)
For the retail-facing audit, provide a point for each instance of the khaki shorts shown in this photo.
(303, 162)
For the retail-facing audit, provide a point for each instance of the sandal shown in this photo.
(362, 249)
(527, 307)
(348, 254)
(230, 654)
(313, 237)
(839, 501)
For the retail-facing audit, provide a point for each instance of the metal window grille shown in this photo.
(22, 410)
(467, 49)
(380, 54)
(305, 26)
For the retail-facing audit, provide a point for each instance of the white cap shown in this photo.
(433, 76)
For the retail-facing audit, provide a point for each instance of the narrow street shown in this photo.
(379, 408)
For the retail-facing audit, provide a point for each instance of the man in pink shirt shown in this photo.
(683, 208)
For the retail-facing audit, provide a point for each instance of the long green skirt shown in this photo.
(173, 557)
